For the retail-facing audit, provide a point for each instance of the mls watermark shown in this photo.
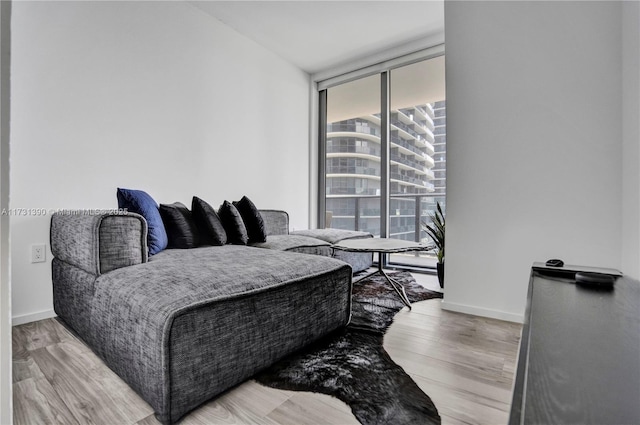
(24, 212)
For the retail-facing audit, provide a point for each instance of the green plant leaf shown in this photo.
(436, 231)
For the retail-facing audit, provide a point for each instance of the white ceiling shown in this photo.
(320, 35)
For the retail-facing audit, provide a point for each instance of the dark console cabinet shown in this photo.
(579, 359)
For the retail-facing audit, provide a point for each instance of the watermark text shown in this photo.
(35, 212)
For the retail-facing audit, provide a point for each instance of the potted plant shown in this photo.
(436, 233)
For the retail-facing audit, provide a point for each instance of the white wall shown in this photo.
(631, 138)
(5, 275)
(534, 145)
(156, 96)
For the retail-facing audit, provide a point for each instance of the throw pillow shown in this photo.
(208, 223)
(181, 229)
(140, 202)
(233, 224)
(252, 219)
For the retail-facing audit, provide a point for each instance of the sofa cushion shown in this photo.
(209, 225)
(180, 226)
(333, 235)
(140, 202)
(358, 260)
(296, 243)
(233, 224)
(252, 219)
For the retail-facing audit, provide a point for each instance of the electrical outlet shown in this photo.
(38, 253)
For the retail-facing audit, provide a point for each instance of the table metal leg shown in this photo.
(368, 275)
(397, 286)
(387, 246)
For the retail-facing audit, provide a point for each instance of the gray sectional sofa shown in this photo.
(184, 325)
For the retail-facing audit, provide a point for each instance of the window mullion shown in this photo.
(384, 154)
(322, 159)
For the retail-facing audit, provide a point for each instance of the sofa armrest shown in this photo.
(99, 243)
(276, 222)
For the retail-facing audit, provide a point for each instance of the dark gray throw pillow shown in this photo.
(181, 229)
(233, 224)
(252, 219)
(208, 223)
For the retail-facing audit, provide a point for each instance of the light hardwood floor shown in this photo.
(464, 363)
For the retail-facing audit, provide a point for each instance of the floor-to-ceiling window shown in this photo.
(353, 155)
(384, 146)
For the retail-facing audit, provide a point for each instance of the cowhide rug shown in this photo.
(352, 365)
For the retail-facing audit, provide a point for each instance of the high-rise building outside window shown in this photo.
(417, 154)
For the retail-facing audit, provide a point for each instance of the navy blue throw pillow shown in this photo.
(233, 224)
(139, 202)
(181, 228)
(208, 223)
(252, 219)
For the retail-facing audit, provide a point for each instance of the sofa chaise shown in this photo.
(184, 325)
(312, 241)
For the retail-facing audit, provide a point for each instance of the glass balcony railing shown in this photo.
(407, 213)
(413, 209)
(429, 109)
(405, 127)
(408, 162)
(370, 150)
(408, 179)
(339, 169)
(353, 127)
(407, 145)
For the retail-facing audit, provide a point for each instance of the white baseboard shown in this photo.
(476, 311)
(32, 317)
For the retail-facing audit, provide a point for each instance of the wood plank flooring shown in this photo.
(464, 363)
